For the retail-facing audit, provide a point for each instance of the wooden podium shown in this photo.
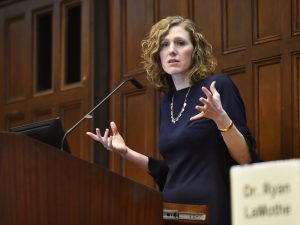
(43, 185)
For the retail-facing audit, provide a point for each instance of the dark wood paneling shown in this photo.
(133, 111)
(136, 23)
(42, 114)
(136, 128)
(207, 15)
(235, 18)
(16, 86)
(268, 102)
(18, 56)
(240, 77)
(71, 112)
(267, 23)
(174, 7)
(295, 17)
(14, 119)
(296, 101)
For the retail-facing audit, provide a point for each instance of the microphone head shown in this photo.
(137, 84)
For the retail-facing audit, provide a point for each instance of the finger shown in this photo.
(196, 117)
(200, 108)
(114, 128)
(105, 136)
(93, 136)
(204, 101)
(109, 143)
(98, 133)
(106, 133)
(206, 92)
(213, 88)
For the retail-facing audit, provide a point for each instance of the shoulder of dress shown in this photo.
(166, 98)
(219, 77)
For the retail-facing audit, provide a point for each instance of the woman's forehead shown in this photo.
(177, 31)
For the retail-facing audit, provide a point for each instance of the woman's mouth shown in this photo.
(172, 61)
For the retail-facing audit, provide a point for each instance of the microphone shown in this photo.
(133, 81)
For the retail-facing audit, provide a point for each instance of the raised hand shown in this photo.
(113, 142)
(212, 106)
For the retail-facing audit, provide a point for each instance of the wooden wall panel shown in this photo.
(133, 111)
(136, 23)
(173, 8)
(42, 114)
(18, 56)
(296, 101)
(239, 76)
(267, 22)
(16, 86)
(137, 131)
(269, 115)
(14, 120)
(71, 112)
(209, 23)
(235, 25)
(295, 17)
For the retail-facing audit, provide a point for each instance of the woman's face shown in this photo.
(176, 51)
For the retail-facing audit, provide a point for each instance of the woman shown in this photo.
(202, 125)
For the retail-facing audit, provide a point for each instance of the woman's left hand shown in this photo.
(212, 106)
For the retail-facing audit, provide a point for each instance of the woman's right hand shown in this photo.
(113, 142)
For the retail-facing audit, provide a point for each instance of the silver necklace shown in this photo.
(174, 120)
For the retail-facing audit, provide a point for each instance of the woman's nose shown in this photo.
(172, 49)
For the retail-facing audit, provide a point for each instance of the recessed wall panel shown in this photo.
(244, 83)
(209, 23)
(295, 17)
(269, 104)
(42, 114)
(136, 129)
(71, 113)
(296, 100)
(235, 17)
(17, 83)
(267, 22)
(173, 8)
(136, 23)
(15, 120)
(238, 76)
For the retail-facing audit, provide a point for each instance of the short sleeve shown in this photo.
(158, 169)
(234, 106)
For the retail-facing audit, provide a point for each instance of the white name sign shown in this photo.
(266, 193)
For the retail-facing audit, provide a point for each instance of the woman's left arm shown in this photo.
(233, 138)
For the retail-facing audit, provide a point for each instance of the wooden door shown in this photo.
(46, 65)
(256, 42)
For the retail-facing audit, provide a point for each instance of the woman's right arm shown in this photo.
(116, 143)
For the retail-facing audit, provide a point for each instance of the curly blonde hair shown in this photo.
(203, 62)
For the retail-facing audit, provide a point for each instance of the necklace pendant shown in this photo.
(174, 120)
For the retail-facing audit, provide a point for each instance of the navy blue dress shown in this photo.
(196, 164)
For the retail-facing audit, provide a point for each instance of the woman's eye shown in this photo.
(180, 43)
(164, 44)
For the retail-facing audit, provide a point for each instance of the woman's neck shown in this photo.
(181, 81)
